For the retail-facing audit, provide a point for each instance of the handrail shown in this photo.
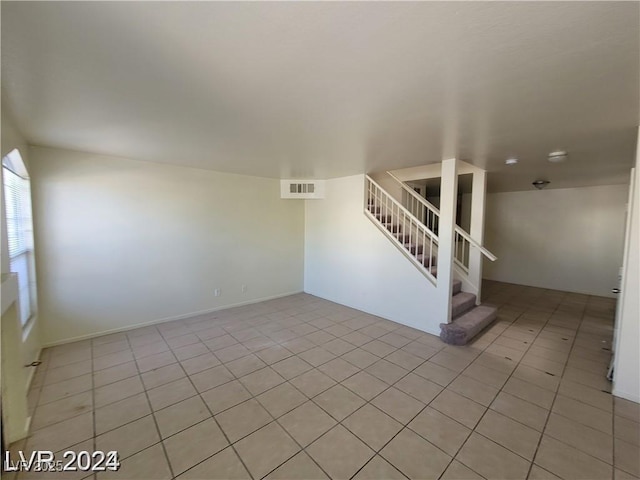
(406, 212)
(458, 230)
(468, 238)
(424, 202)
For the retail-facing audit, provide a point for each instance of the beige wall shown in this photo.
(564, 239)
(348, 260)
(123, 242)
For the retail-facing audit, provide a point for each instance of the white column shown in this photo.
(448, 201)
(476, 230)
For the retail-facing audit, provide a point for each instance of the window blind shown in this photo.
(17, 196)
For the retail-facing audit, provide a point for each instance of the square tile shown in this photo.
(529, 392)
(281, 399)
(261, 380)
(224, 465)
(372, 426)
(398, 404)
(365, 385)
(62, 435)
(418, 387)
(299, 467)
(150, 464)
(458, 407)
(191, 446)
(113, 374)
(404, 359)
(474, 390)
(338, 369)
(306, 423)
(457, 471)
(130, 438)
(444, 432)
(266, 449)
(60, 410)
(225, 396)
(510, 434)
(360, 358)
(386, 371)
(155, 361)
(437, 374)
(162, 376)
(65, 388)
(568, 462)
(378, 348)
(170, 393)
(521, 411)
(313, 383)
(245, 365)
(232, 352)
(317, 356)
(626, 457)
(491, 460)
(378, 468)
(117, 414)
(338, 346)
(243, 419)
(291, 367)
(189, 351)
(211, 378)
(340, 453)
(414, 456)
(117, 391)
(591, 441)
(199, 363)
(180, 416)
(339, 402)
(273, 354)
(585, 414)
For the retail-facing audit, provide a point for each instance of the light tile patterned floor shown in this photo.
(300, 387)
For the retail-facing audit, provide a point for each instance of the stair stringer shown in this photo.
(349, 262)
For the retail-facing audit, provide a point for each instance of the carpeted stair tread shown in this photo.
(462, 302)
(467, 326)
(457, 287)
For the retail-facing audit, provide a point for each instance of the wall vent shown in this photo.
(304, 189)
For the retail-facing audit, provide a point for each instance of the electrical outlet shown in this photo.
(244, 289)
(217, 292)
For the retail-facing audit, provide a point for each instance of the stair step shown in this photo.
(373, 209)
(424, 260)
(393, 228)
(402, 237)
(467, 326)
(383, 218)
(413, 248)
(462, 302)
(457, 287)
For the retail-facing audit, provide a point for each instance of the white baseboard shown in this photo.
(167, 319)
(633, 397)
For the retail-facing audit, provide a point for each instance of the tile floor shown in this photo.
(303, 388)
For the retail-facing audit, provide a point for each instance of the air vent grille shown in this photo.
(305, 189)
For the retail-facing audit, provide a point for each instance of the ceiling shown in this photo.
(328, 89)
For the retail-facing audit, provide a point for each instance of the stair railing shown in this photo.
(409, 234)
(462, 240)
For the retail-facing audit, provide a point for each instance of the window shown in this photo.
(17, 199)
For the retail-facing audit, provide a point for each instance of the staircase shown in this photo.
(420, 245)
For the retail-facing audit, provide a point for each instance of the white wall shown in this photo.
(348, 260)
(626, 380)
(563, 239)
(122, 242)
(31, 341)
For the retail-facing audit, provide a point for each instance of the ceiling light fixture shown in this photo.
(511, 161)
(540, 184)
(558, 156)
